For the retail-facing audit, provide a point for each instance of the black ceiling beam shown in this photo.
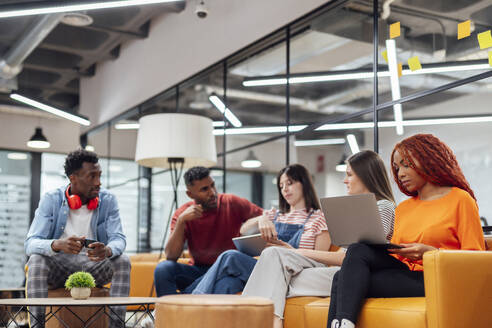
(71, 73)
(45, 87)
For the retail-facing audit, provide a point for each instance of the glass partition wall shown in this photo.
(342, 78)
(15, 198)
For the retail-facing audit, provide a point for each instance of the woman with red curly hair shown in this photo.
(442, 213)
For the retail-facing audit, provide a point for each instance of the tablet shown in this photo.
(251, 245)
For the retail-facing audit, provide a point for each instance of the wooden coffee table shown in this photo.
(54, 305)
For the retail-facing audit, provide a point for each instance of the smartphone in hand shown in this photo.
(87, 242)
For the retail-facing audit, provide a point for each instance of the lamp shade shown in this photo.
(251, 161)
(175, 136)
(38, 140)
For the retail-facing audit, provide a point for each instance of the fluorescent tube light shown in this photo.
(135, 126)
(313, 78)
(352, 141)
(261, 82)
(319, 142)
(419, 122)
(441, 121)
(334, 76)
(259, 130)
(217, 124)
(232, 118)
(347, 126)
(395, 84)
(217, 102)
(49, 109)
(126, 126)
(445, 69)
(78, 7)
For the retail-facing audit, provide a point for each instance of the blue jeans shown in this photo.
(228, 275)
(169, 276)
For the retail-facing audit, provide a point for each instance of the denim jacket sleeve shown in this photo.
(114, 230)
(40, 235)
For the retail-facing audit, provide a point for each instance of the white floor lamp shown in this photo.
(175, 141)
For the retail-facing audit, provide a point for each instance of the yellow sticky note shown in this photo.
(490, 58)
(395, 30)
(484, 39)
(414, 63)
(400, 69)
(385, 55)
(464, 29)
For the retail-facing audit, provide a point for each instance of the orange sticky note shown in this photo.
(464, 29)
(484, 39)
(414, 63)
(490, 58)
(395, 30)
(385, 55)
(400, 69)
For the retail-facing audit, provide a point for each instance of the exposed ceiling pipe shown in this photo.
(336, 103)
(11, 63)
(386, 9)
(263, 97)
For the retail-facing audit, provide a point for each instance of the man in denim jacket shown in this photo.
(77, 228)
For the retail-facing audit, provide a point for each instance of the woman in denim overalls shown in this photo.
(297, 198)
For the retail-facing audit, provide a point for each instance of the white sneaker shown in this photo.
(347, 324)
(335, 323)
(147, 321)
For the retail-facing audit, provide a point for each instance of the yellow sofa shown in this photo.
(142, 274)
(458, 289)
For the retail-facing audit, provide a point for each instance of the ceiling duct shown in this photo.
(7, 85)
(302, 47)
(11, 63)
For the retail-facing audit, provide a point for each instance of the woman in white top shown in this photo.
(298, 223)
(286, 272)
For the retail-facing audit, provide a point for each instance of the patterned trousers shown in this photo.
(46, 272)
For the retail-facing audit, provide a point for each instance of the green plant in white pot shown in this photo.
(80, 284)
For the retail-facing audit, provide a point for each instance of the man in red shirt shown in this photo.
(208, 224)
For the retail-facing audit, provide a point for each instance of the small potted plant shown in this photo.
(80, 284)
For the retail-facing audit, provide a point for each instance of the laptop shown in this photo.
(354, 219)
(251, 245)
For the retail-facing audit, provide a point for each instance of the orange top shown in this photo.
(449, 222)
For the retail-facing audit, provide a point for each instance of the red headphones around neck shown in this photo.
(74, 201)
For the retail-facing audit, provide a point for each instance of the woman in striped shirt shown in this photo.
(298, 223)
(285, 272)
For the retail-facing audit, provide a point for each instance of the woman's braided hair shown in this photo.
(438, 164)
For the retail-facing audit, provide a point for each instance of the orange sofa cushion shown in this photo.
(408, 312)
(294, 311)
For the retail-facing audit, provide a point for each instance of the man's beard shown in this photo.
(209, 205)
